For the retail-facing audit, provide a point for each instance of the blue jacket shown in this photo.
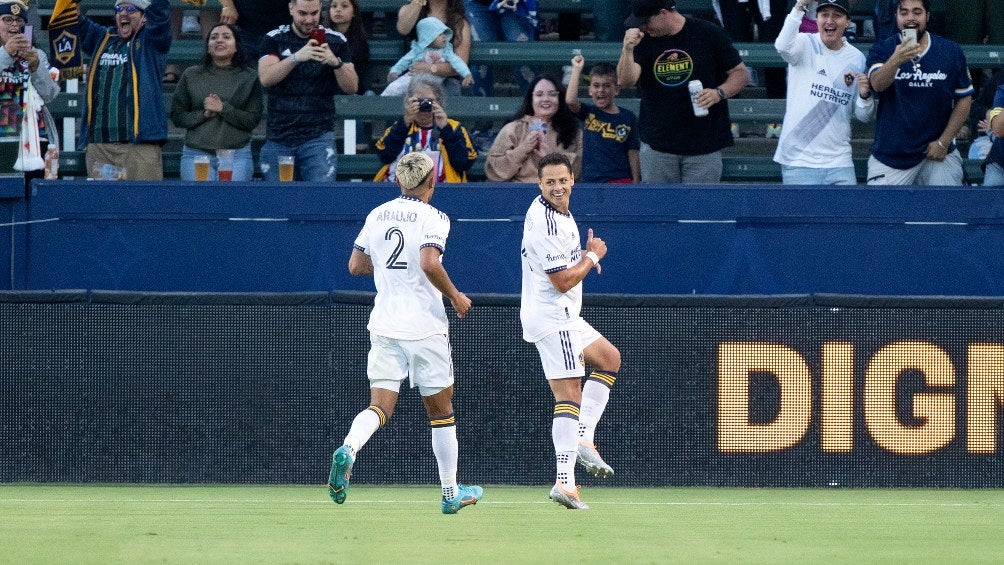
(147, 60)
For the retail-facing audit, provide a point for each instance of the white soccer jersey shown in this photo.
(407, 306)
(822, 95)
(550, 244)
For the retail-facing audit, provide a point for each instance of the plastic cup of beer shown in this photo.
(202, 167)
(225, 172)
(286, 168)
(107, 171)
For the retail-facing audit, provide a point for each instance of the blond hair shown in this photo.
(412, 170)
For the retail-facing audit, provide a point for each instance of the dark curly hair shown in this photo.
(239, 60)
(564, 121)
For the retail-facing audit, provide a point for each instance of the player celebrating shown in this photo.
(553, 269)
(401, 244)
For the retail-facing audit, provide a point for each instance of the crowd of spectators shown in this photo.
(684, 67)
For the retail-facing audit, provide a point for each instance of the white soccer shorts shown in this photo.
(427, 362)
(561, 353)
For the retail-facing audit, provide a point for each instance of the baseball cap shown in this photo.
(14, 8)
(642, 10)
(842, 5)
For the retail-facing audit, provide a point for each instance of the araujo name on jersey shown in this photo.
(830, 94)
(397, 216)
(919, 78)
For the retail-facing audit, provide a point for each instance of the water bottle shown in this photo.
(52, 164)
(695, 87)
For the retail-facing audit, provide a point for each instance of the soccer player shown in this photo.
(401, 245)
(553, 268)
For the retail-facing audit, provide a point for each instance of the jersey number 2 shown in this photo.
(392, 261)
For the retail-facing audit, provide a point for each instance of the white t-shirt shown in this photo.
(407, 305)
(822, 95)
(550, 244)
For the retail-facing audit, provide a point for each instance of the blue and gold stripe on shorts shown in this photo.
(566, 409)
(567, 352)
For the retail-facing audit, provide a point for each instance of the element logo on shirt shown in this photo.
(673, 67)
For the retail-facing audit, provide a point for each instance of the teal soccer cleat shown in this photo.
(466, 496)
(341, 470)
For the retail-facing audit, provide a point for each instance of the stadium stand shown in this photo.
(749, 161)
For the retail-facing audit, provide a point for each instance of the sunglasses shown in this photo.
(127, 8)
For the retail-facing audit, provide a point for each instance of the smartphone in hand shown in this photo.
(318, 35)
(909, 35)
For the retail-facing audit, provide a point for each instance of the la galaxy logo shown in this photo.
(64, 46)
(848, 79)
(673, 67)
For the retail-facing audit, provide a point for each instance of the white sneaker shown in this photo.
(773, 131)
(590, 459)
(568, 499)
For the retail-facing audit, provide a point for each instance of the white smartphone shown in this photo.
(28, 33)
(909, 35)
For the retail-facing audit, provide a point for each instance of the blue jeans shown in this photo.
(493, 26)
(994, 175)
(809, 175)
(243, 163)
(316, 159)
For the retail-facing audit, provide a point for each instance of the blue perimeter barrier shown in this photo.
(729, 239)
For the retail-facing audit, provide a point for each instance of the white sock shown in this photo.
(595, 394)
(565, 438)
(444, 445)
(365, 424)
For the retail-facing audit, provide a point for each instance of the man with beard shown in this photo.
(300, 74)
(124, 120)
(924, 95)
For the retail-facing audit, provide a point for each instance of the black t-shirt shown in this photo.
(301, 107)
(701, 51)
(258, 17)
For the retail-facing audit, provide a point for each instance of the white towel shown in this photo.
(29, 152)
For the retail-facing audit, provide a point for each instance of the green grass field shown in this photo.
(286, 524)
